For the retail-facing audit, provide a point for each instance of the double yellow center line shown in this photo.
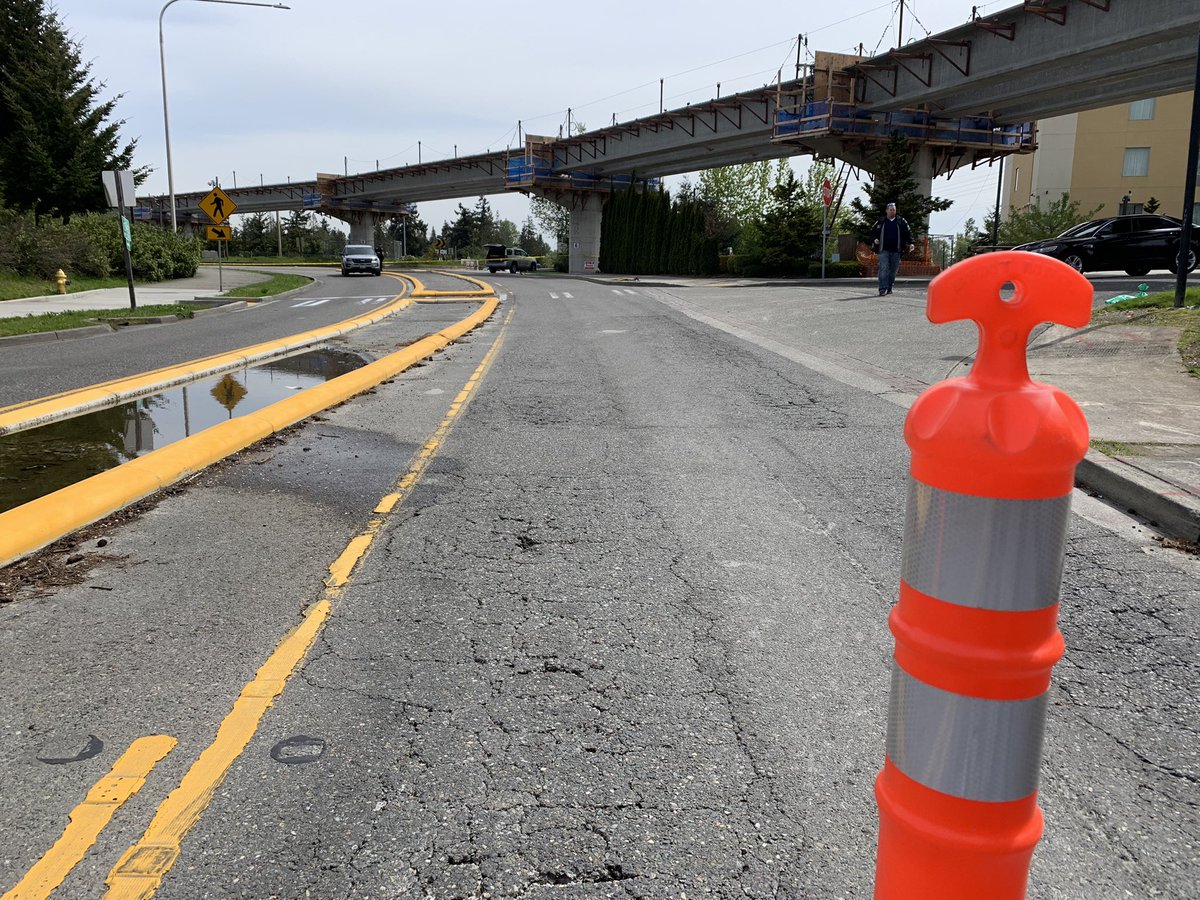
(142, 867)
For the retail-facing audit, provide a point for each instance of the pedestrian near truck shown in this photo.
(890, 237)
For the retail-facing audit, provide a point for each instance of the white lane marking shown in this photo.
(319, 302)
(614, 331)
(628, 291)
(615, 291)
(553, 296)
(567, 296)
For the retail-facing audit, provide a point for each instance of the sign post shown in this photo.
(118, 185)
(826, 200)
(218, 206)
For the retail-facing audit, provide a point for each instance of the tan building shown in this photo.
(1101, 156)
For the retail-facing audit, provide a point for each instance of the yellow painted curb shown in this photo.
(39, 522)
(483, 289)
(32, 413)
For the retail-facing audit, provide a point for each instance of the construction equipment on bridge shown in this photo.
(821, 113)
(534, 169)
(992, 470)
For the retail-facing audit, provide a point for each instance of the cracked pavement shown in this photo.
(625, 638)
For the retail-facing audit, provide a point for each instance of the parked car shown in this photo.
(361, 258)
(514, 259)
(1134, 244)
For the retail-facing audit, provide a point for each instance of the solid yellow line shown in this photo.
(141, 869)
(45, 519)
(88, 819)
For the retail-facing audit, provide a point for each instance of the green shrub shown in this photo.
(91, 246)
(844, 269)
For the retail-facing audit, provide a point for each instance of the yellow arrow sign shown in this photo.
(228, 392)
(218, 232)
(217, 205)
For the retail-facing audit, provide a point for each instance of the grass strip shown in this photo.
(1159, 309)
(275, 284)
(1117, 448)
(62, 321)
(18, 287)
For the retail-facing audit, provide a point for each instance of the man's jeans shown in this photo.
(889, 265)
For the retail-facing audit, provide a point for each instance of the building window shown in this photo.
(1136, 209)
(1137, 162)
(1141, 110)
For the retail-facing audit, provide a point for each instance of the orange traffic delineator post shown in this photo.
(976, 627)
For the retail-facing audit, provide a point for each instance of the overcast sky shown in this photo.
(329, 86)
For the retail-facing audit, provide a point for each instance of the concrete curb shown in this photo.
(22, 416)
(39, 522)
(43, 337)
(1119, 479)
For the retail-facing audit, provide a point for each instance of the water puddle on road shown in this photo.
(42, 460)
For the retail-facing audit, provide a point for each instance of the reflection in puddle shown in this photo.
(36, 462)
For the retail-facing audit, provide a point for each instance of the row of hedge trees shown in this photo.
(90, 246)
(643, 233)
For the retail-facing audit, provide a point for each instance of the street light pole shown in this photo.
(162, 62)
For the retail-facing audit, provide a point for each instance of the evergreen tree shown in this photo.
(892, 180)
(459, 235)
(532, 242)
(790, 230)
(55, 135)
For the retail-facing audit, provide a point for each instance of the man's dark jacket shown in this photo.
(903, 234)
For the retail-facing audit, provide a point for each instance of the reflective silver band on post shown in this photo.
(966, 747)
(984, 552)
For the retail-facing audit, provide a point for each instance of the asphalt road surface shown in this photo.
(625, 637)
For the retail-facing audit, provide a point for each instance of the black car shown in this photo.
(1134, 244)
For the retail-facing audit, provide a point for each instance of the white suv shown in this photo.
(361, 258)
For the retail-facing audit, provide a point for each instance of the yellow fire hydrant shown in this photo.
(61, 277)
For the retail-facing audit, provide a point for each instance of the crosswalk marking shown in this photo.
(321, 301)
(567, 296)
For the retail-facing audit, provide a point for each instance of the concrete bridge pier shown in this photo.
(586, 212)
(362, 224)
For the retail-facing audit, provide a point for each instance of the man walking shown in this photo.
(890, 237)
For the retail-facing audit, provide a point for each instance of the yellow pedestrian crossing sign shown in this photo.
(217, 232)
(217, 205)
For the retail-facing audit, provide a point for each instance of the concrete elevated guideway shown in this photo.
(950, 91)
(1039, 59)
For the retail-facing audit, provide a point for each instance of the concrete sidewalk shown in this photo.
(205, 283)
(1130, 383)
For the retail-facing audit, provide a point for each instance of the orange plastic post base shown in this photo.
(936, 847)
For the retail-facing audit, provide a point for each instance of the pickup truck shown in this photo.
(512, 259)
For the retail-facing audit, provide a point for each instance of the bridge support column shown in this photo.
(922, 170)
(362, 224)
(584, 257)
